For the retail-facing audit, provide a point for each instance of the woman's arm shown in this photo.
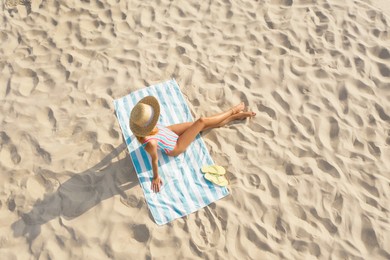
(151, 148)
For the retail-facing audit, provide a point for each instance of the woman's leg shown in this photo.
(181, 128)
(238, 116)
(186, 138)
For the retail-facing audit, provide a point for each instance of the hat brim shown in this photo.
(145, 130)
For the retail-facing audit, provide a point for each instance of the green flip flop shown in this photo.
(216, 179)
(214, 169)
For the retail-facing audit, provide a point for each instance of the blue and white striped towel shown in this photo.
(184, 188)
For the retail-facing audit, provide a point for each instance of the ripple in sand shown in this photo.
(382, 114)
(113, 133)
(384, 70)
(314, 249)
(281, 101)
(269, 111)
(374, 150)
(120, 237)
(380, 52)
(328, 168)
(326, 222)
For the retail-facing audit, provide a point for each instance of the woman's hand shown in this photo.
(156, 184)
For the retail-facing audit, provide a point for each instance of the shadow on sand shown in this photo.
(79, 194)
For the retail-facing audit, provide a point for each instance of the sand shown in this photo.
(309, 175)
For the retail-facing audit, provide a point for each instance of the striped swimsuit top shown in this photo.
(166, 139)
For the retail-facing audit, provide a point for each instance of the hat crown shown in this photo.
(142, 113)
(144, 116)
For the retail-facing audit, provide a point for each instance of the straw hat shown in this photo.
(144, 116)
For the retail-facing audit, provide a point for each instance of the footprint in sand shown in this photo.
(47, 114)
(15, 157)
(37, 149)
(374, 150)
(5, 141)
(141, 233)
(209, 231)
(11, 204)
(368, 234)
(254, 180)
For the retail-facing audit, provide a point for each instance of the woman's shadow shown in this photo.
(79, 194)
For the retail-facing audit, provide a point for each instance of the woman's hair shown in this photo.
(141, 138)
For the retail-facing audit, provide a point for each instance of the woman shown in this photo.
(173, 139)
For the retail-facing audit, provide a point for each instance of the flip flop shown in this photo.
(216, 179)
(214, 169)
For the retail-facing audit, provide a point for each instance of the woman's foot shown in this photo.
(238, 108)
(243, 115)
(238, 116)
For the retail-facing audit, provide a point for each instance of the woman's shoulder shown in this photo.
(151, 142)
(151, 146)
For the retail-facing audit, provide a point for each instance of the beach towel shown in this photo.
(184, 189)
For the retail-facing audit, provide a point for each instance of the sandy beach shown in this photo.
(309, 175)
